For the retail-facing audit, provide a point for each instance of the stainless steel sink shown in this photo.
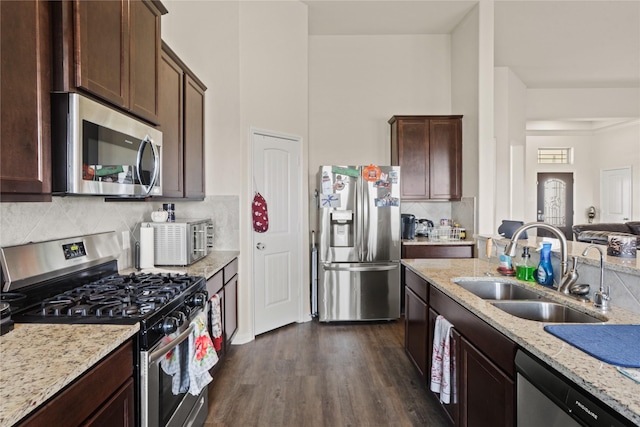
(543, 311)
(492, 289)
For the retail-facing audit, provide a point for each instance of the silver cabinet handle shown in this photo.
(260, 246)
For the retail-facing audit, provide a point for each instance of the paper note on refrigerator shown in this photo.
(329, 201)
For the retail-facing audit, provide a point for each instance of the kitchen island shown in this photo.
(598, 378)
(38, 361)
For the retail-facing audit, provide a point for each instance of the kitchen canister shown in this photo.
(622, 245)
(170, 208)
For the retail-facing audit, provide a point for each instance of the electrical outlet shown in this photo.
(126, 241)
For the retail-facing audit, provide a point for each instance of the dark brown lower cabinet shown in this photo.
(487, 392)
(437, 251)
(416, 332)
(101, 397)
(483, 370)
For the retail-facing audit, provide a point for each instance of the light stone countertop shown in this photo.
(425, 241)
(38, 360)
(599, 378)
(206, 267)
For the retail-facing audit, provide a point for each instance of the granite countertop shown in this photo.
(599, 378)
(623, 265)
(32, 372)
(425, 241)
(206, 267)
(38, 360)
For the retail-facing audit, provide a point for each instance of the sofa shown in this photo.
(599, 233)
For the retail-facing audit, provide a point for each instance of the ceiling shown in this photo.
(546, 43)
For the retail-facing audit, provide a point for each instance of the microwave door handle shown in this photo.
(156, 169)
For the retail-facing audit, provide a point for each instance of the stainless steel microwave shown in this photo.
(97, 150)
(181, 242)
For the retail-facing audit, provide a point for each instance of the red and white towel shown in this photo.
(216, 322)
(441, 360)
(202, 355)
(190, 361)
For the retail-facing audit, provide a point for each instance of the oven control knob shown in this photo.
(181, 316)
(199, 299)
(169, 325)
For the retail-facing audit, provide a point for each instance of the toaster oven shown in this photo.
(181, 242)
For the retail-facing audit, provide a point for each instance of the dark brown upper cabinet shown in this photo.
(25, 149)
(110, 49)
(429, 151)
(181, 96)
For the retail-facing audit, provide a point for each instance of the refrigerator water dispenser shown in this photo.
(342, 228)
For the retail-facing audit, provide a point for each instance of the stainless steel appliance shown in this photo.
(358, 243)
(423, 227)
(76, 280)
(97, 150)
(181, 242)
(546, 398)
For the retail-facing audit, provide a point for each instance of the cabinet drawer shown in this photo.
(437, 251)
(498, 348)
(215, 283)
(230, 270)
(417, 284)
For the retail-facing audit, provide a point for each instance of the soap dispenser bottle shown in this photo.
(524, 269)
(544, 272)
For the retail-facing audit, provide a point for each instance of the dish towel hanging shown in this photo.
(259, 213)
(441, 360)
(216, 322)
(176, 364)
(202, 355)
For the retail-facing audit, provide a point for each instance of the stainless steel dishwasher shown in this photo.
(546, 398)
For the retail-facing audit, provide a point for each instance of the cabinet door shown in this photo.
(416, 332)
(117, 411)
(25, 165)
(102, 41)
(230, 309)
(487, 394)
(171, 86)
(445, 159)
(144, 58)
(413, 157)
(193, 139)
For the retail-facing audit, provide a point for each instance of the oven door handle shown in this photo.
(155, 355)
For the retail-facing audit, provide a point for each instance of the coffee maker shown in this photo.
(408, 226)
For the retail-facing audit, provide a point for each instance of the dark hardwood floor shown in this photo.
(312, 374)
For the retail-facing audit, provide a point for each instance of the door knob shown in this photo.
(260, 246)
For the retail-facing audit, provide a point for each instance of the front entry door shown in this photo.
(555, 202)
(277, 253)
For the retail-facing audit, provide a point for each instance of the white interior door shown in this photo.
(277, 253)
(615, 195)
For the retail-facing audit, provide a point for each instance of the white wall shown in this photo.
(356, 83)
(253, 58)
(510, 126)
(626, 140)
(205, 35)
(464, 95)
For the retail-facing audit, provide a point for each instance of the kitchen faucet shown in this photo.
(565, 279)
(600, 298)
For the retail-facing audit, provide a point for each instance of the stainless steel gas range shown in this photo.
(76, 280)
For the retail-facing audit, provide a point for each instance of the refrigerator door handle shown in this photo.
(336, 267)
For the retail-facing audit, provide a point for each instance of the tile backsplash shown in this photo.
(22, 223)
(462, 212)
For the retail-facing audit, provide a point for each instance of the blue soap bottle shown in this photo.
(545, 270)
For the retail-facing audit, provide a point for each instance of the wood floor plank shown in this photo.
(324, 375)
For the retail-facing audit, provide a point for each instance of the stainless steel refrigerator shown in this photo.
(358, 243)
